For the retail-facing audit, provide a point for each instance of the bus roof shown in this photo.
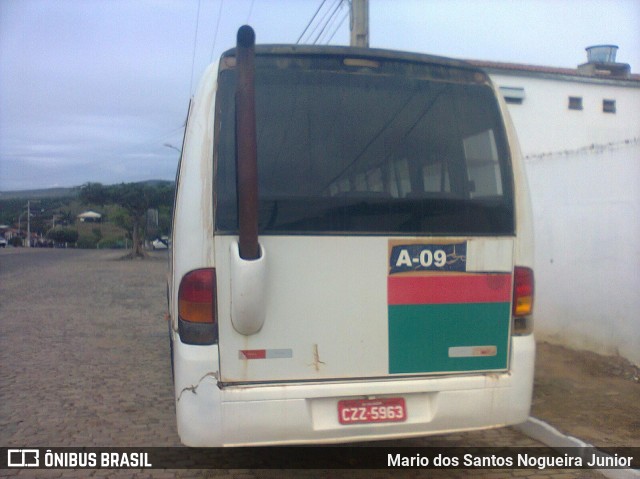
(358, 53)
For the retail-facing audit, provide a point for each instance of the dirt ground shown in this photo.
(588, 396)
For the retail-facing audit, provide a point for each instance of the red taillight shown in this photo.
(522, 291)
(196, 297)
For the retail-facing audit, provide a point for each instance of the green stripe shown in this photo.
(420, 336)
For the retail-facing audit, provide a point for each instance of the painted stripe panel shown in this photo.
(252, 354)
(442, 338)
(449, 289)
(265, 354)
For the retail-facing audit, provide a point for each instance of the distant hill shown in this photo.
(156, 182)
(38, 194)
(71, 192)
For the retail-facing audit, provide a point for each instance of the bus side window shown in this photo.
(374, 181)
(344, 186)
(402, 176)
(392, 181)
(435, 177)
(483, 169)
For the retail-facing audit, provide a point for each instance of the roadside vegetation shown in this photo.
(130, 214)
(136, 201)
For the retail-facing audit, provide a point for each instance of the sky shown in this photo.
(98, 90)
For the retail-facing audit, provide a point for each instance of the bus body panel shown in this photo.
(328, 314)
(523, 247)
(192, 226)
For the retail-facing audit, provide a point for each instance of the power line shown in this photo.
(215, 35)
(346, 15)
(250, 11)
(325, 28)
(195, 41)
(330, 23)
(321, 21)
(310, 21)
(335, 10)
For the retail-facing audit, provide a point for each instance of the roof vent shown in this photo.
(602, 63)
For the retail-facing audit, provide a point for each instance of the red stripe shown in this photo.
(449, 289)
(254, 353)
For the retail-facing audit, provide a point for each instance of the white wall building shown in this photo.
(579, 131)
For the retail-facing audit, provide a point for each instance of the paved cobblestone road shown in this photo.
(84, 362)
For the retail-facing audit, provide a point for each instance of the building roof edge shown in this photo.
(571, 74)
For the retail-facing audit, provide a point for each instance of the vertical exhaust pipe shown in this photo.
(246, 145)
(248, 259)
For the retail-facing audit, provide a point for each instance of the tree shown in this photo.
(97, 234)
(135, 199)
(63, 235)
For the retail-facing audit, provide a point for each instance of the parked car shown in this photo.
(159, 244)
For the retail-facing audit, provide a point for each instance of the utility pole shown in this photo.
(360, 23)
(29, 224)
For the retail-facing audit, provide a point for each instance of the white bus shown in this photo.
(369, 275)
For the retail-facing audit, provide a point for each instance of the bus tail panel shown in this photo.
(425, 306)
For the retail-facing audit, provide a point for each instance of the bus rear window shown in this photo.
(367, 151)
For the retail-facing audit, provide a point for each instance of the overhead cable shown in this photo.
(310, 21)
(215, 35)
(346, 15)
(250, 11)
(335, 10)
(195, 41)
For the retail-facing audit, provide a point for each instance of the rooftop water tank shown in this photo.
(602, 53)
(601, 62)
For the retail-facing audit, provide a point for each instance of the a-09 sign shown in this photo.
(412, 257)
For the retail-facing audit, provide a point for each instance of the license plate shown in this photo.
(362, 411)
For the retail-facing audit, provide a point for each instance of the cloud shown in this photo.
(90, 90)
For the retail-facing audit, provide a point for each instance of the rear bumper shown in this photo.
(307, 414)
